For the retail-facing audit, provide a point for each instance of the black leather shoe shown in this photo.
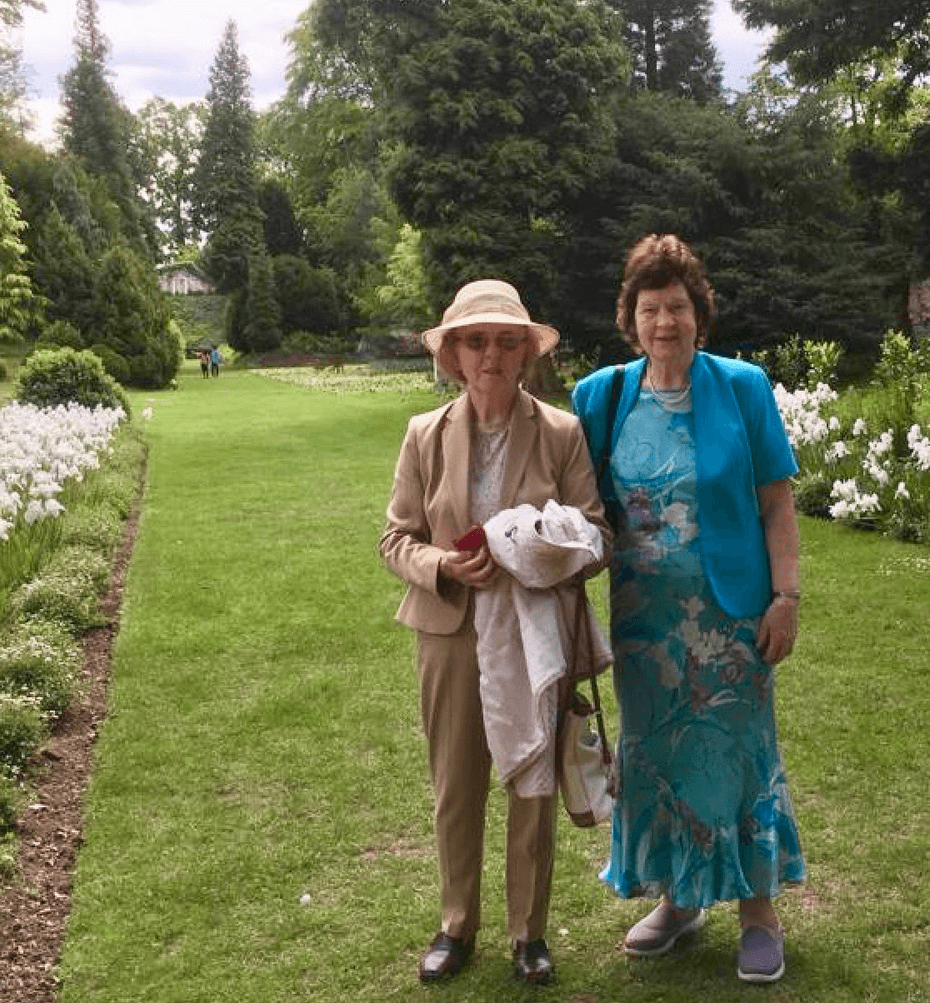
(445, 957)
(532, 962)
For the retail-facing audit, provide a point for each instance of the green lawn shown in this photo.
(259, 823)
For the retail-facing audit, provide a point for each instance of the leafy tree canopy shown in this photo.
(819, 37)
(496, 114)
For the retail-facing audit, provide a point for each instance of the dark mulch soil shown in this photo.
(34, 907)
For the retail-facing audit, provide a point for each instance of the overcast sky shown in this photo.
(166, 48)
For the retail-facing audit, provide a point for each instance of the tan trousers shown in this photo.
(461, 770)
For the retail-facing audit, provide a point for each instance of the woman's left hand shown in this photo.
(778, 629)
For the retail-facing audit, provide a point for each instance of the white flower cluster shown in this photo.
(41, 449)
(800, 412)
(920, 447)
(877, 462)
(852, 503)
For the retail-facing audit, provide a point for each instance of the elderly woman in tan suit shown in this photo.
(494, 447)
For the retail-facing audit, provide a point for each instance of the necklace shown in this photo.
(669, 399)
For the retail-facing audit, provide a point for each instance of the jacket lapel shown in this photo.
(523, 431)
(456, 442)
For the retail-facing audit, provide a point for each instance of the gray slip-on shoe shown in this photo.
(657, 933)
(761, 955)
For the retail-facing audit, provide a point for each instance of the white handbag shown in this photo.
(587, 771)
(586, 765)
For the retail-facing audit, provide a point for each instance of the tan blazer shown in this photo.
(547, 458)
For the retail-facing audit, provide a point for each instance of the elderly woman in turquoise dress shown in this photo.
(704, 604)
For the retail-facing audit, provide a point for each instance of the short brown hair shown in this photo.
(655, 262)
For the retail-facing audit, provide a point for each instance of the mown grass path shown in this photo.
(259, 822)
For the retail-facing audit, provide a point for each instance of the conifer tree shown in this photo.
(17, 299)
(95, 127)
(226, 190)
(671, 45)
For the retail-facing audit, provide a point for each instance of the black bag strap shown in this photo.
(612, 509)
(616, 392)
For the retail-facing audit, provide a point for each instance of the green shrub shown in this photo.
(4, 372)
(81, 563)
(812, 494)
(52, 377)
(9, 845)
(114, 363)
(98, 527)
(41, 660)
(116, 489)
(61, 334)
(66, 591)
(10, 802)
(22, 729)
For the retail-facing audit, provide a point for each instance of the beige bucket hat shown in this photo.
(489, 301)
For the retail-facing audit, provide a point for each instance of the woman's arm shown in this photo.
(778, 628)
(406, 543)
(578, 488)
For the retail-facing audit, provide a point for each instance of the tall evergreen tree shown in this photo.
(671, 45)
(225, 182)
(95, 127)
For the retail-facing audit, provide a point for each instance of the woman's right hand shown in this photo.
(473, 568)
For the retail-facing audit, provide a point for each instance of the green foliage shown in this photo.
(114, 363)
(52, 377)
(497, 118)
(24, 554)
(670, 42)
(822, 359)
(41, 659)
(65, 592)
(795, 363)
(282, 233)
(308, 297)
(502, 114)
(61, 334)
(166, 140)
(262, 328)
(11, 800)
(901, 373)
(96, 527)
(401, 300)
(17, 300)
(133, 319)
(225, 186)
(813, 493)
(96, 128)
(235, 239)
(22, 728)
(820, 38)
(65, 272)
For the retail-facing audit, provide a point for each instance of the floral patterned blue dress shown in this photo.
(704, 814)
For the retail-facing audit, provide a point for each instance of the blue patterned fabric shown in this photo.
(704, 814)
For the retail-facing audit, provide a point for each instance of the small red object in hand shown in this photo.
(472, 540)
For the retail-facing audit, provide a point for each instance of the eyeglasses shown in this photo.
(504, 342)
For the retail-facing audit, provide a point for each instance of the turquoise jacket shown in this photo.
(741, 445)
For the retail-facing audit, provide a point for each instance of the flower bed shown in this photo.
(67, 477)
(40, 450)
(869, 470)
